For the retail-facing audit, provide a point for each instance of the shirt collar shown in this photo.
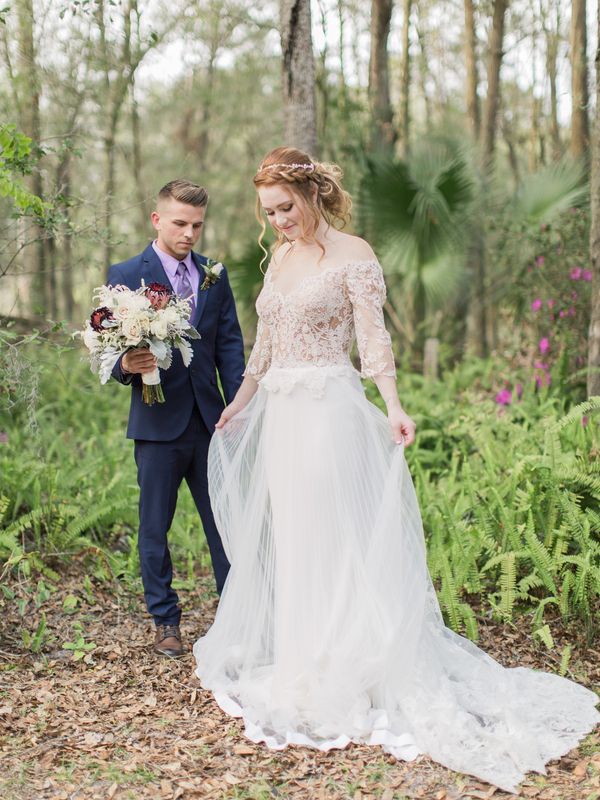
(170, 263)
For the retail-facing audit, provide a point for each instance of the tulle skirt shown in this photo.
(328, 630)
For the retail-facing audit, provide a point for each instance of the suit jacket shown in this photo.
(220, 347)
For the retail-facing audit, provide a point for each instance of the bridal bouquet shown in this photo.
(151, 316)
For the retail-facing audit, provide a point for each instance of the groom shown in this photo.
(172, 438)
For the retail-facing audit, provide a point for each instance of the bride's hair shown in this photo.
(316, 187)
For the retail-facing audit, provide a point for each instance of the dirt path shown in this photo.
(121, 723)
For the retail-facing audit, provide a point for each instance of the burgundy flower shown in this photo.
(158, 294)
(99, 315)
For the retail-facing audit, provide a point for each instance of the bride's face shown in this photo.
(282, 210)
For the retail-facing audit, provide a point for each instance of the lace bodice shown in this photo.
(316, 323)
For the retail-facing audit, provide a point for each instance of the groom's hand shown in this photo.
(138, 361)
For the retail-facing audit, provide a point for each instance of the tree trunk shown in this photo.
(593, 379)
(382, 130)
(404, 125)
(124, 62)
(67, 253)
(512, 152)
(137, 163)
(298, 75)
(477, 322)
(30, 125)
(424, 73)
(496, 44)
(473, 108)
(580, 133)
(552, 42)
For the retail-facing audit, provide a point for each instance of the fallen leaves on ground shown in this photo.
(121, 723)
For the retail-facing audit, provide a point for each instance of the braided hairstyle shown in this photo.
(300, 173)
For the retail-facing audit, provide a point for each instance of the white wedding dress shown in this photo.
(328, 630)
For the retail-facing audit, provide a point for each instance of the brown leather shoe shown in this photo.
(168, 641)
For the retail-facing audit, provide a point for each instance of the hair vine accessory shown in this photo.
(307, 167)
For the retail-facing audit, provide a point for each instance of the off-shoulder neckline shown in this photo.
(332, 268)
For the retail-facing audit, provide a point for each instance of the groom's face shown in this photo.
(178, 226)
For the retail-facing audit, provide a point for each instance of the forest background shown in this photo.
(467, 132)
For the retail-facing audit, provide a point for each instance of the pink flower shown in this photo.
(571, 312)
(504, 397)
(542, 380)
(587, 274)
(584, 421)
(575, 273)
(573, 295)
(562, 314)
(544, 345)
(536, 305)
(540, 365)
(539, 261)
(550, 303)
(158, 294)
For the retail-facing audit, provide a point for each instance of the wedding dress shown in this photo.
(328, 630)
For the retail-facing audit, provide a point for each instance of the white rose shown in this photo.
(122, 311)
(158, 327)
(133, 302)
(170, 315)
(143, 320)
(132, 331)
(217, 269)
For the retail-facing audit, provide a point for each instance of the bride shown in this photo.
(328, 630)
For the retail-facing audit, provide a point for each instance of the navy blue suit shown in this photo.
(172, 438)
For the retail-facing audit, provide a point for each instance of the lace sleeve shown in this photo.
(366, 290)
(260, 357)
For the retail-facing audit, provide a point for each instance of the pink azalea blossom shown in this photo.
(575, 273)
(544, 345)
(536, 305)
(587, 274)
(504, 397)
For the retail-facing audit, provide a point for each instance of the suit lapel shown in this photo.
(152, 268)
(199, 261)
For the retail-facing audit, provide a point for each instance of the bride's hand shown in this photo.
(403, 427)
(228, 413)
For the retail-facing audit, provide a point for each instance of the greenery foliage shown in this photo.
(17, 157)
(510, 495)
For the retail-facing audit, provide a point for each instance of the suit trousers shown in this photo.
(162, 466)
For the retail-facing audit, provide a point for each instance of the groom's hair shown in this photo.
(185, 192)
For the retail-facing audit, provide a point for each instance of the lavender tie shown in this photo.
(184, 289)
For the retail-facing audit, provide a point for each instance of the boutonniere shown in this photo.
(212, 271)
